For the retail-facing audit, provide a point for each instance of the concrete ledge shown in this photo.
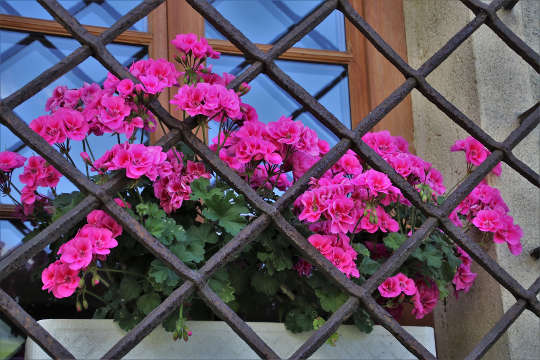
(90, 339)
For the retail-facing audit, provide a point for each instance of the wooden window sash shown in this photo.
(51, 27)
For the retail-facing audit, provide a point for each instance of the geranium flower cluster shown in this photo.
(395, 150)
(426, 297)
(37, 172)
(137, 159)
(171, 178)
(115, 108)
(475, 152)
(464, 277)
(212, 100)
(93, 241)
(264, 153)
(396, 285)
(337, 249)
(189, 45)
(173, 189)
(9, 161)
(484, 207)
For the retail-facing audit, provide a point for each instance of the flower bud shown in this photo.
(85, 304)
(78, 306)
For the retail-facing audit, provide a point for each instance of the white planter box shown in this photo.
(90, 339)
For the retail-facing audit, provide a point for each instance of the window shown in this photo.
(31, 42)
(334, 62)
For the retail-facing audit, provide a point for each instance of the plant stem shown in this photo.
(85, 163)
(95, 295)
(90, 149)
(14, 200)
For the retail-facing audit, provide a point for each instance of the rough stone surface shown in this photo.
(492, 85)
(90, 339)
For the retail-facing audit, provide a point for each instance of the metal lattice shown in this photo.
(196, 281)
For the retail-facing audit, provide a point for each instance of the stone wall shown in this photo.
(492, 85)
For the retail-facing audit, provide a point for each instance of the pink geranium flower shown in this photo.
(390, 288)
(101, 219)
(487, 220)
(10, 160)
(464, 278)
(75, 124)
(60, 279)
(341, 211)
(101, 238)
(406, 284)
(77, 252)
(425, 299)
(323, 243)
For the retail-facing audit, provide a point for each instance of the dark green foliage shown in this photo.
(260, 282)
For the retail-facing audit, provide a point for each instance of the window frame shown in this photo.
(371, 76)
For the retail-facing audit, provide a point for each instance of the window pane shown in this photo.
(265, 21)
(328, 83)
(24, 56)
(95, 13)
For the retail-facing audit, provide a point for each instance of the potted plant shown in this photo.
(352, 214)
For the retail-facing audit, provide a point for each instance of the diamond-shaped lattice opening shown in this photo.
(372, 307)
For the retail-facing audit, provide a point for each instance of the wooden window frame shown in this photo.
(371, 77)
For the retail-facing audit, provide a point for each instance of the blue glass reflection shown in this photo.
(327, 82)
(24, 56)
(87, 12)
(265, 21)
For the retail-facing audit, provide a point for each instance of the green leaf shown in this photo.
(330, 299)
(203, 233)
(433, 256)
(222, 286)
(317, 323)
(299, 320)
(65, 202)
(368, 266)
(394, 240)
(101, 313)
(169, 324)
(161, 274)
(190, 252)
(363, 321)
(227, 215)
(361, 249)
(278, 260)
(199, 188)
(148, 302)
(129, 288)
(126, 319)
(264, 284)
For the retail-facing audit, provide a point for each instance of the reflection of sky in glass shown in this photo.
(271, 101)
(265, 21)
(21, 59)
(89, 13)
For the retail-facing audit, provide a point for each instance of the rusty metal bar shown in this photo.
(264, 62)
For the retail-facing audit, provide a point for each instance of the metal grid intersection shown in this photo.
(437, 216)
